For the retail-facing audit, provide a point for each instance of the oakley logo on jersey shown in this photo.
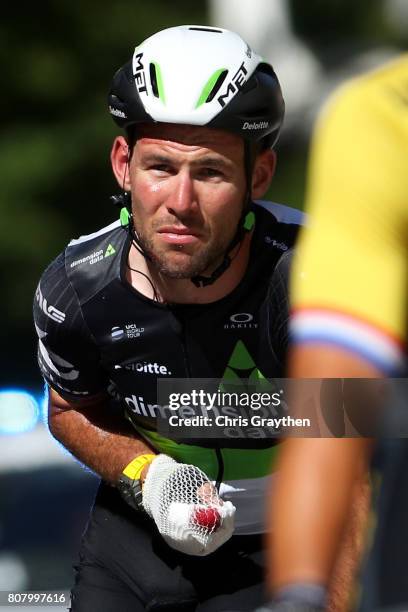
(241, 320)
(52, 312)
(131, 330)
(146, 367)
(261, 125)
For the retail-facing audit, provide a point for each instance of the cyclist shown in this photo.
(350, 320)
(189, 283)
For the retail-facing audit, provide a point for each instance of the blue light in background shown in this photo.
(19, 411)
(42, 401)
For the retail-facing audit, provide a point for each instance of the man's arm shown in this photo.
(99, 438)
(342, 585)
(324, 499)
(322, 494)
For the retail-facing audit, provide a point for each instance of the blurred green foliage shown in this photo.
(345, 25)
(58, 58)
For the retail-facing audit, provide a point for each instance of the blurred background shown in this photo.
(58, 59)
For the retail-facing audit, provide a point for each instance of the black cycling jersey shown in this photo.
(97, 333)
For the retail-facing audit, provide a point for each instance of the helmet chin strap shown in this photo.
(245, 224)
(123, 201)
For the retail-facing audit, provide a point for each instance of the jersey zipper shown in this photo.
(217, 450)
(184, 345)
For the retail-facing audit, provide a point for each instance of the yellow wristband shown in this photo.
(135, 467)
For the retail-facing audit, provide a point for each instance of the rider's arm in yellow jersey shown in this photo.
(350, 278)
(349, 290)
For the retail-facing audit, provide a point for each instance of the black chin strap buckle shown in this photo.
(122, 200)
(204, 281)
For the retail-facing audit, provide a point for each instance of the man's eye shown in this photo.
(211, 172)
(161, 168)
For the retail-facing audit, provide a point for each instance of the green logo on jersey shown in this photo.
(241, 365)
(109, 251)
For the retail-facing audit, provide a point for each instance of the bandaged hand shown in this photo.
(186, 508)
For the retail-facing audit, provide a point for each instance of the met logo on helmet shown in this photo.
(139, 75)
(234, 85)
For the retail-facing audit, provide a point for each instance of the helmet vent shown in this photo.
(206, 30)
(212, 86)
(153, 80)
(156, 81)
(217, 86)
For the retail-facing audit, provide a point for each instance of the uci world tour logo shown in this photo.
(130, 330)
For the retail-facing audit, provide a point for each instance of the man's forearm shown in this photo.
(318, 510)
(311, 506)
(104, 442)
(343, 580)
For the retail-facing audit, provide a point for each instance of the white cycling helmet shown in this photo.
(199, 75)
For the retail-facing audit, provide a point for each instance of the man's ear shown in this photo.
(264, 169)
(120, 162)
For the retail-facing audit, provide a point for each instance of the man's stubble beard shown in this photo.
(208, 257)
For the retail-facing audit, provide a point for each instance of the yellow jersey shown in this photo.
(350, 279)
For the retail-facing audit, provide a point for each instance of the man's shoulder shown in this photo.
(384, 85)
(374, 98)
(277, 226)
(87, 261)
(92, 248)
(281, 213)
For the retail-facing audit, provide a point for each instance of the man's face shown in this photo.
(188, 187)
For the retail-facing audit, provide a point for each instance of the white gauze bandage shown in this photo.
(186, 508)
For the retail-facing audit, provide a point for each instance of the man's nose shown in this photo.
(182, 199)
